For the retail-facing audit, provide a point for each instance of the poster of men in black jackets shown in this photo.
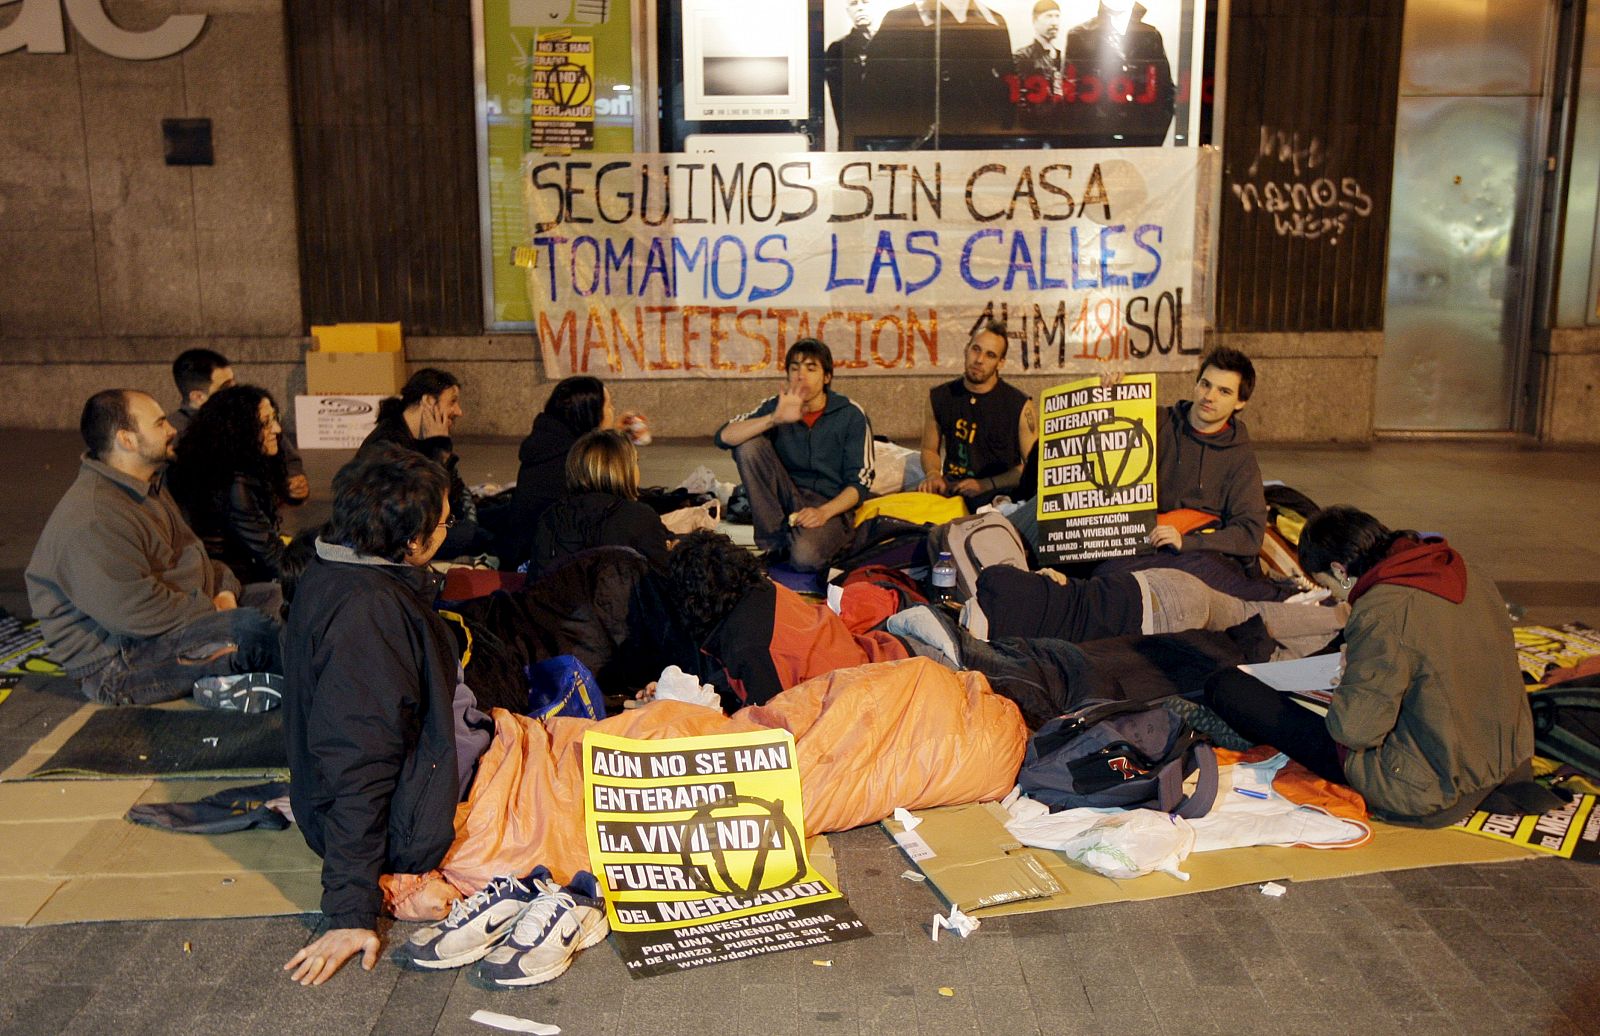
(960, 74)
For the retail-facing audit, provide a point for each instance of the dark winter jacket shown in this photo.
(602, 606)
(541, 478)
(588, 520)
(370, 681)
(239, 524)
(391, 427)
(1217, 474)
(825, 457)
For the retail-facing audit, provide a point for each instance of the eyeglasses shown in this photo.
(449, 523)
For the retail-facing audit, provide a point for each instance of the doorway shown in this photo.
(1468, 179)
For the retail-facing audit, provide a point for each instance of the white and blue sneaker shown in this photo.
(475, 925)
(559, 923)
(249, 693)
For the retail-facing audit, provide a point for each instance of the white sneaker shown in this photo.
(559, 923)
(475, 926)
(249, 693)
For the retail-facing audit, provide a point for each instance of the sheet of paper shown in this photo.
(1316, 673)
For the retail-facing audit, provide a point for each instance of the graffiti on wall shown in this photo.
(1290, 180)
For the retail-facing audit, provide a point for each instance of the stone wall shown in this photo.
(105, 242)
(1568, 369)
(115, 262)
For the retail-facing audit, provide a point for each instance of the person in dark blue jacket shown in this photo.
(805, 458)
(383, 734)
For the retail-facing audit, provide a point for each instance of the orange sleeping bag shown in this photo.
(907, 733)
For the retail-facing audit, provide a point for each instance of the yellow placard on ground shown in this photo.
(1543, 648)
(1571, 832)
(1097, 469)
(699, 844)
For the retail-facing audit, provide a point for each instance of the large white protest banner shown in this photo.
(712, 265)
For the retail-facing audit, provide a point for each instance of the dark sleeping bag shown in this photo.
(1047, 677)
(598, 606)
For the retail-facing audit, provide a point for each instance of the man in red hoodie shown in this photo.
(1430, 720)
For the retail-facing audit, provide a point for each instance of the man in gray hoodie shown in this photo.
(1205, 463)
(129, 603)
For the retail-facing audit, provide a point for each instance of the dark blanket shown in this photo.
(142, 741)
(602, 606)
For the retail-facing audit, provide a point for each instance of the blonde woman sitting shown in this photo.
(602, 508)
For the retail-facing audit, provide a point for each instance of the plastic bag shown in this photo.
(1116, 843)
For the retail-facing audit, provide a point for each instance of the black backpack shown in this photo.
(1566, 725)
(1120, 754)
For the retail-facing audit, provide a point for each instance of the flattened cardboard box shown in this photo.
(975, 863)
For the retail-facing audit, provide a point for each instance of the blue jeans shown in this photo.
(774, 496)
(165, 667)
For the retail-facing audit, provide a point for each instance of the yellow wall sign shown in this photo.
(562, 92)
(1097, 469)
(700, 846)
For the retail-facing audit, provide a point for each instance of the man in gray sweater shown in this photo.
(129, 602)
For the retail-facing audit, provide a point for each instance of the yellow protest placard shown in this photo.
(1572, 832)
(561, 92)
(699, 844)
(1097, 469)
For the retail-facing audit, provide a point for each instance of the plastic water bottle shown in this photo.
(944, 578)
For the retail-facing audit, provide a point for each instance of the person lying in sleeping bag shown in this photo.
(757, 638)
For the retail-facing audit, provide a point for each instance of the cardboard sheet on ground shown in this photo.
(975, 864)
(699, 843)
(67, 855)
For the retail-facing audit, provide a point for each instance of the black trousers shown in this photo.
(1270, 717)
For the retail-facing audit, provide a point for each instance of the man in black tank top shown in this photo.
(978, 428)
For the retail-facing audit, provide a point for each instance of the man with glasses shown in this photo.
(384, 736)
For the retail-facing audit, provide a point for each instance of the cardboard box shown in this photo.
(333, 422)
(355, 374)
(358, 338)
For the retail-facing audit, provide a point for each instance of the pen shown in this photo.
(1251, 794)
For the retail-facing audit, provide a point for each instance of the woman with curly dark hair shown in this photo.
(756, 638)
(225, 477)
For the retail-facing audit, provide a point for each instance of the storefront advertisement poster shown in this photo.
(711, 265)
(1079, 73)
(512, 31)
(1097, 469)
(699, 844)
